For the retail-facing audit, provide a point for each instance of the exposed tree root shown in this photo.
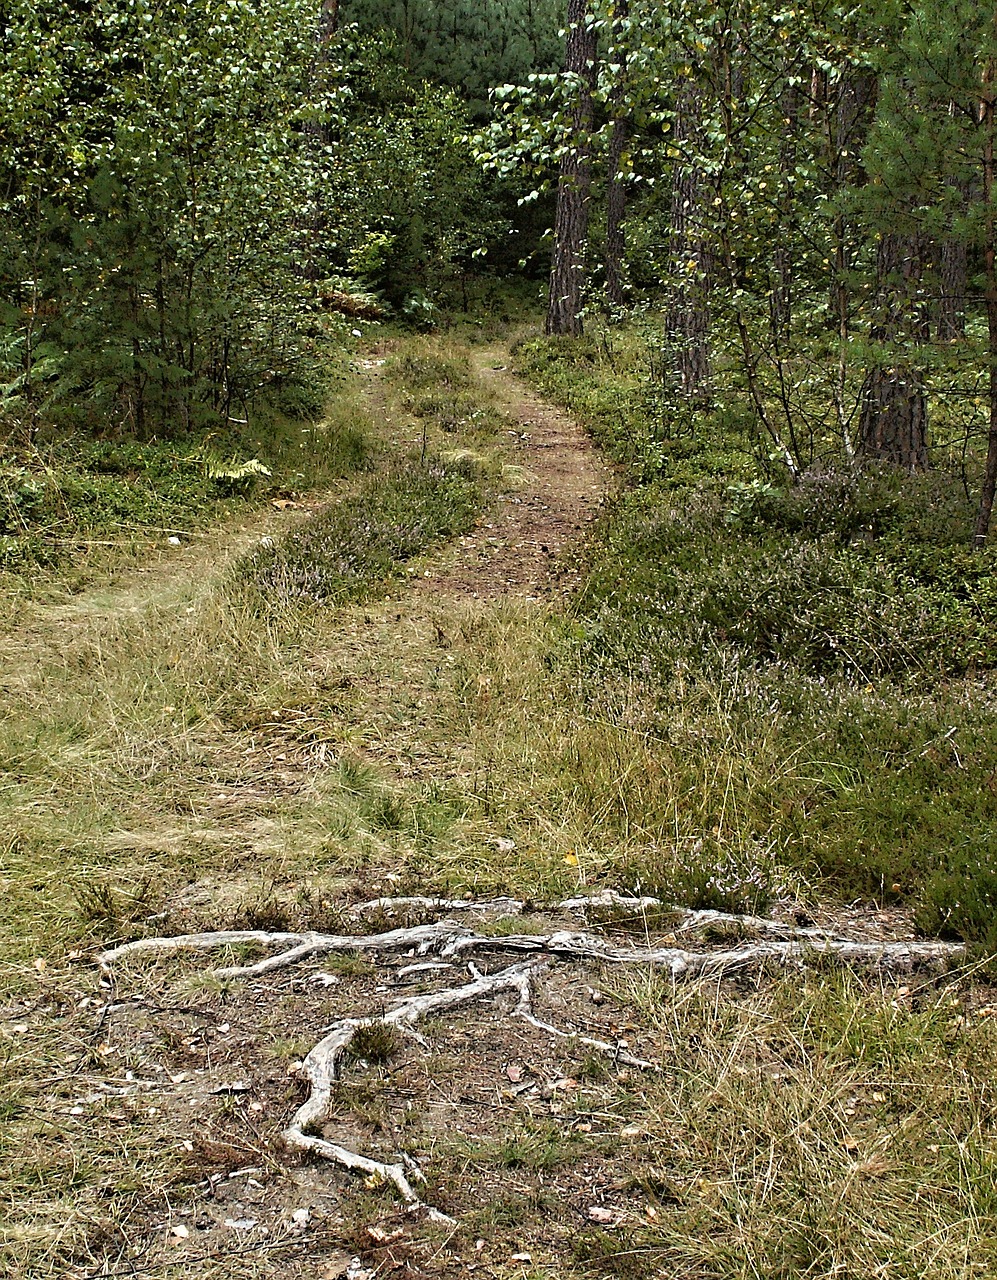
(452, 943)
(449, 940)
(321, 1069)
(704, 964)
(685, 920)
(299, 945)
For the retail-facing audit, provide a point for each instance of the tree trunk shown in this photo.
(953, 278)
(567, 273)
(330, 18)
(783, 264)
(894, 423)
(687, 321)
(987, 113)
(953, 272)
(893, 426)
(622, 131)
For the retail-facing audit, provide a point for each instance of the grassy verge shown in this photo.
(76, 501)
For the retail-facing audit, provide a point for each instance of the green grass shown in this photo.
(72, 495)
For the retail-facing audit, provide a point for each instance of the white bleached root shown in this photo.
(449, 939)
(297, 946)
(684, 919)
(321, 1069)
(453, 943)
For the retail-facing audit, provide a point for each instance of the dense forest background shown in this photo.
(804, 194)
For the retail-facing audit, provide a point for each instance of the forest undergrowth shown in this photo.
(261, 737)
(837, 630)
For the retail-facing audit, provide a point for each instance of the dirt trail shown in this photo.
(518, 542)
(396, 655)
(171, 576)
(182, 1086)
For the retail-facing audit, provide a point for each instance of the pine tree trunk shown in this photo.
(894, 423)
(616, 200)
(567, 274)
(987, 114)
(953, 281)
(687, 320)
(893, 426)
(953, 277)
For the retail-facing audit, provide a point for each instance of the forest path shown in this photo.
(42, 627)
(516, 548)
(356, 754)
(427, 669)
(179, 763)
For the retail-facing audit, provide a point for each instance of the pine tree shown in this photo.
(893, 426)
(931, 158)
(469, 45)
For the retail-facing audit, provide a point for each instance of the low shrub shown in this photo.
(809, 658)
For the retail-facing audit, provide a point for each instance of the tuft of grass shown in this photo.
(375, 1042)
(534, 1145)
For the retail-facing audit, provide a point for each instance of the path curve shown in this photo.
(518, 546)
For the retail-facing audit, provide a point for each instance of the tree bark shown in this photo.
(893, 426)
(953, 273)
(571, 219)
(619, 141)
(330, 18)
(894, 422)
(953, 282)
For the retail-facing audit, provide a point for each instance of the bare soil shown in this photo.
(522, 546)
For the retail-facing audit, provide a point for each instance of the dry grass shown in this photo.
(820, 1128)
